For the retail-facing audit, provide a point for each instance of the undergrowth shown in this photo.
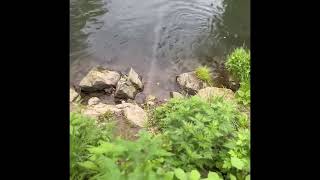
(238, 64)
(83, 134)
(201, 135)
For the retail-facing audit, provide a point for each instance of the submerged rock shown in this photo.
(135, 79)
(73, 95)
(210, 92)
(190, 83)
(99, 79)
(174, 94)
(140, 98)
(125, 89)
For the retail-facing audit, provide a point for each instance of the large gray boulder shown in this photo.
(125, 89)
(73, 95)
(93, 101)
(99, 79)
(190, 83)
(135, 79)
(128, 86)
(134, 114)
(96, 110)
(174, 94)
(210, 92)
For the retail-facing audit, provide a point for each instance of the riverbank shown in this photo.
(201, 131)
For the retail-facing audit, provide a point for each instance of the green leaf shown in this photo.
(248, 177)
(168, 176)
(180, 174)
(108, 170)
(213, 176)
(194, 175)
(237, 163)
(232, 177)
(88, 165)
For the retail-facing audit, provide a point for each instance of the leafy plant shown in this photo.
(236, 162)
(204, 74)
(121, 159)
(194, 175)
(243, 93)
(83, 134)
(238, 64)
(196, 130)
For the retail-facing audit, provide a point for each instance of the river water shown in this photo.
(158, 38)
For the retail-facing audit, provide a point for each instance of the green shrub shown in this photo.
(196, 130)
(236, 161)
(196, 137)
(204, 74)
(121, 159)
(238, 64)
(83, 134)
(243, 93)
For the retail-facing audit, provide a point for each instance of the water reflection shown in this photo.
(158, 38)
(227, 30)
(83, 21)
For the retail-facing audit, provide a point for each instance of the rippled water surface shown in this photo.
(158, 38)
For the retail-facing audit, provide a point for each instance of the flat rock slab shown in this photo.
(99, 79)
(210, 92)
(134, 114)
(174, 94)
(96, 110)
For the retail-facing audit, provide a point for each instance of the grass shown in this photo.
(238, 64)
(204, 74)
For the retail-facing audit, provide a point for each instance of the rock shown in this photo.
(93, 101)
(150, 103)
(73, 95)
(233, 84)
(96, 110)
(125, 89)
(209, 92)
(174, 94)
(150, 98)
(140, 98)
(190, 83)
(134, 114)
(109, 90)
(135, 79)
(99, 79)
